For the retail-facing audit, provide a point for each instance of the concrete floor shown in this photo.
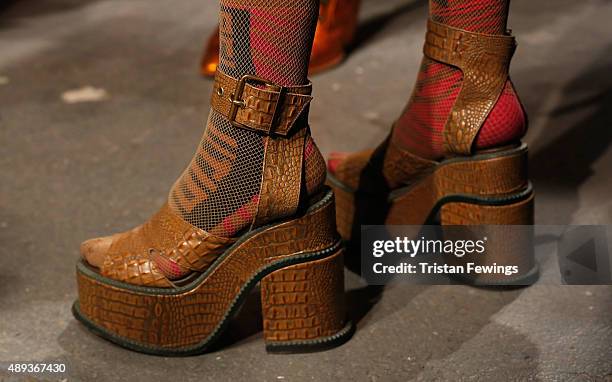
(73, 171)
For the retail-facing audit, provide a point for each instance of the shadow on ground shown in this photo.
(567, 161)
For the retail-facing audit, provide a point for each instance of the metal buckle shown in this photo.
(237, 101)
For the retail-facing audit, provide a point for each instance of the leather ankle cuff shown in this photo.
(484, 60)
(254, 103)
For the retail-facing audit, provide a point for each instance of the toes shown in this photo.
(94, 250)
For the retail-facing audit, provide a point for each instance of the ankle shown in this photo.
(480, 16)
(420, 128)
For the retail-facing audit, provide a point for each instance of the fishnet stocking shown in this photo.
(218, 192)
(421, 124)
(483, 16)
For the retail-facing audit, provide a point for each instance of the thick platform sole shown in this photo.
(486, 189)
(298, 264)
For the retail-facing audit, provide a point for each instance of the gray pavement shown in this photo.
(71, 171)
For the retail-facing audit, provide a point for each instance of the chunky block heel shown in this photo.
(303, 306)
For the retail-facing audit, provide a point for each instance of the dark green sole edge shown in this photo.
(314, 345)
(203, 346)
(501, 200)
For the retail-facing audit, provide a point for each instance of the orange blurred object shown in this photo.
(335, 31)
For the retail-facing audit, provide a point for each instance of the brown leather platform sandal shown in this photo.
(392, 186)
(292, 250)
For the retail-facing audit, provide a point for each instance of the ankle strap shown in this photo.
(484, 60)
(254, 103)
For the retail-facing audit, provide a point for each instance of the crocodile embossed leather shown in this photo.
(273, 111)
(397, 167)
(298, 262)
(485, 188)
(257, 104)
(282, 178)
(157, 267)
(168, 287)
(484, 60)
